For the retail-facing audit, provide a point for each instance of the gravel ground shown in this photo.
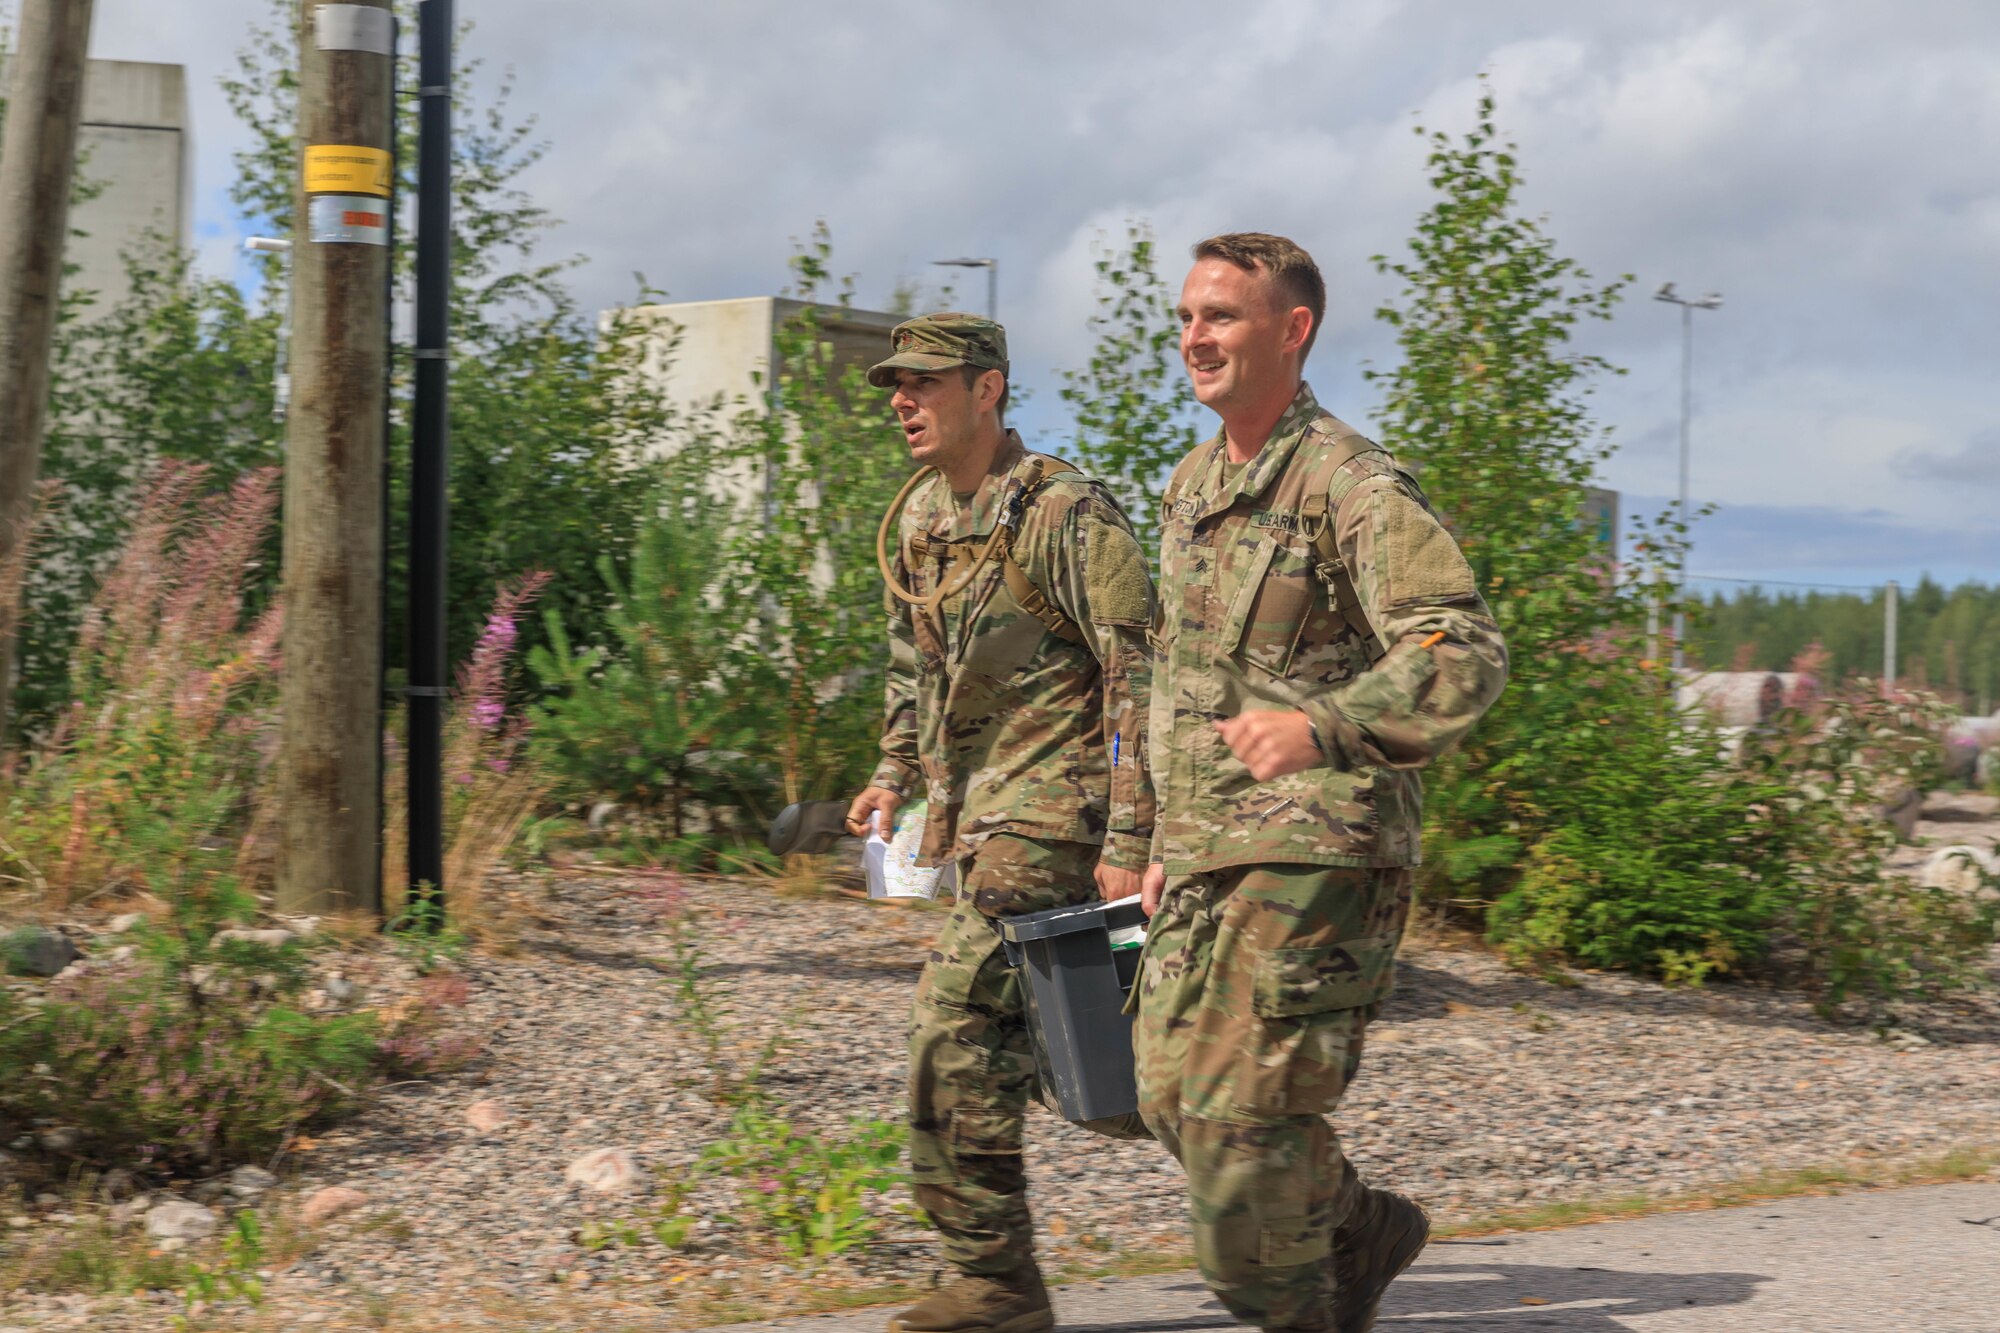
(1483, 1090)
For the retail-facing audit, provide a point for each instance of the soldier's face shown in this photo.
(938, 412)
(1237, 337)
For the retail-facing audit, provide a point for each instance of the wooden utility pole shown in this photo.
(37, 162)
(330, 743)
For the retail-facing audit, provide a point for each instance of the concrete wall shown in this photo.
(711, 355)
(134, 146)
(708, 350)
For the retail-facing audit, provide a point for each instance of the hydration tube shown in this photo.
(946, 587)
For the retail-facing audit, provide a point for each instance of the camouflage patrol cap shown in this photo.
(939, 342)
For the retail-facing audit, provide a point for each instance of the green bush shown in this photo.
(195, 1053)
(1672, 862)
(807, 1192)
(170, 1070)
(1653, 858)
(660, 719)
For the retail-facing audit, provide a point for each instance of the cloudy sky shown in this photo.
(1832, 167)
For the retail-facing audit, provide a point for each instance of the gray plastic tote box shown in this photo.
(1077, 965)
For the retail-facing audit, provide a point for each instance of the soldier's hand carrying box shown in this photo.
(1077, 965)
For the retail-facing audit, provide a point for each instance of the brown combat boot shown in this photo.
(1017, 1303)
(1383, 1238)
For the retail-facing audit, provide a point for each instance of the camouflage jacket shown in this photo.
(1392, 660)
(1010, 726)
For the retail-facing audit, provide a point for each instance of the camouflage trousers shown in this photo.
(972, 1063)
(1255, 989)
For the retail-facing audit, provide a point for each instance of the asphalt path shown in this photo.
(1919, 1260)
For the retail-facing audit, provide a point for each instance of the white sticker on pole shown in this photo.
(352, 219)
(355, 28)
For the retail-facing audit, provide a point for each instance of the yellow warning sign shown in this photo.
(347, 169)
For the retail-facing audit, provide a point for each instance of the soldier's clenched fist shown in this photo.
(1271, 745)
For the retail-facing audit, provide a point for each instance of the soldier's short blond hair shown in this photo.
(1291, 268)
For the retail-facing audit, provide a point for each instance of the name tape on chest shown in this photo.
(1276, 518)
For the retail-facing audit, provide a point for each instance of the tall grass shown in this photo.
(162, 758)
(159, 752)
(492, 784)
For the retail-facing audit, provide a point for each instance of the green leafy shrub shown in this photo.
(1650, 854)
(824, 464)
(659, 720)
(1844, 925)
(176, 1072)
(1587, 818)
(809, 1193)
(232, 1276)
(1672, 862)
(196, 1053)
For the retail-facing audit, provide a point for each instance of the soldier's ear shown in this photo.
(987, 389)
(1298, 329)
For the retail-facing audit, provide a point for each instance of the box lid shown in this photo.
(1069, 920)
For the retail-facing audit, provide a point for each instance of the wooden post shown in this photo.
(330, 744)
(37, 162)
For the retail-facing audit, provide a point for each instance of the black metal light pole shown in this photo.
(430, 442)
(992, 267)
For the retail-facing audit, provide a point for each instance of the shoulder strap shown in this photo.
(1032, 599)
(1316, 513)
(965, 556)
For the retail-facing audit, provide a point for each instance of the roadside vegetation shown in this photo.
(652, 666)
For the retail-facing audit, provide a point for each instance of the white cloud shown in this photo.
(1823, 164)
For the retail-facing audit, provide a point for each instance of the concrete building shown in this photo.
(709, 351)
(135, 151)
(1600, 511)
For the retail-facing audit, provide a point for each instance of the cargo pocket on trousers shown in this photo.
(988, 1133)
(1311, 1008)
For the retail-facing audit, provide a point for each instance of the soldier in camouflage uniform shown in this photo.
(1018, 613)
(1320, 638)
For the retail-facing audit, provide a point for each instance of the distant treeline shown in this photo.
(1946, 641)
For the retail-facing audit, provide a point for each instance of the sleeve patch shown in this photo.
(1419, 560)
(1116, 579)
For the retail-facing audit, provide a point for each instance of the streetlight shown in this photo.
(1688, 305)
(281, 397)
(992, 267)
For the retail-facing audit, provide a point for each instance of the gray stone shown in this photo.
(175, 1220)
(247, 1182)
(35, 951)
(340, 990)
(270, 939)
